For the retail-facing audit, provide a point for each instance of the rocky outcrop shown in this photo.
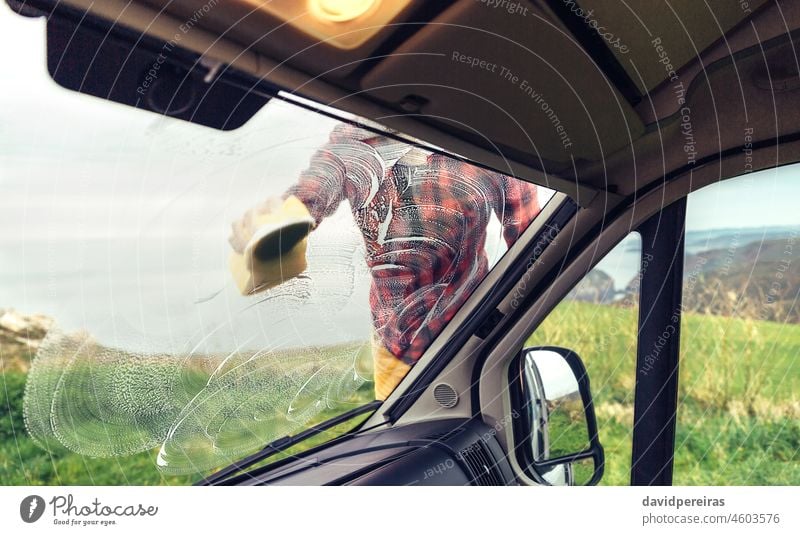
(20, 337)
(596, 287)
(758, 280)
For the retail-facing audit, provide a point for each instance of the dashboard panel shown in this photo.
(442, 452)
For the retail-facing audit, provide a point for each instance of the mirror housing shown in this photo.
(555, 437)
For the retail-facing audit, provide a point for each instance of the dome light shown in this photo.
(340, 10)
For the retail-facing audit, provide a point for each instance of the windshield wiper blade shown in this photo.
(284, 443)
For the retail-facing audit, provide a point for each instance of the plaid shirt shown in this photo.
(424, 219)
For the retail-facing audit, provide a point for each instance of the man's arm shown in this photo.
(520, 205)
(321, 187)
(338, 170)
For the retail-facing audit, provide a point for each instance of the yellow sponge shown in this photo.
(277, 250)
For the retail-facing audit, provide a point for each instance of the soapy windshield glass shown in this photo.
(122, 279)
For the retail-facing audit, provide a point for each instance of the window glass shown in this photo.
(738, 413)
(122, 277)
(598, 321)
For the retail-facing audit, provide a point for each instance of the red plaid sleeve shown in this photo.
(519, 206)
(324, 184)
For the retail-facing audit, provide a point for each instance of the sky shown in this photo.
(115, 221)
(769, 198)
(68, 146)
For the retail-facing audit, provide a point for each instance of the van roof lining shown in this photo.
(580, 177)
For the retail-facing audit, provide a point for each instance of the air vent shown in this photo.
(440, 436)
(445, 395)
(481, 464)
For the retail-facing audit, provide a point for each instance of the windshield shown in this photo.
(174, 289)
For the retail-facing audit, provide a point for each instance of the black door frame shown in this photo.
(658, 347)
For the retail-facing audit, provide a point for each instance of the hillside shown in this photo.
(758, 280)
(596, 287)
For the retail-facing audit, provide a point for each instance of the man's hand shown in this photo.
(244, 228)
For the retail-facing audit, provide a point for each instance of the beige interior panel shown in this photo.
(530, 87)
(684, 28)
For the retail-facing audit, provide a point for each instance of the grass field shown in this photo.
(739, 413)
(739, 400)
(22, 462)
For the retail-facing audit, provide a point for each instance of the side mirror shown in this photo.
(556, 432)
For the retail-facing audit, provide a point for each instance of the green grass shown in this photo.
(739, 400)
(23, 462)
(739, 412)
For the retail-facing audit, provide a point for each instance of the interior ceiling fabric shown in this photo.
(528, 87)
(682, 28)
(531, 86)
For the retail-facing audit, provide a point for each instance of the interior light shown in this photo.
(340, 10)
(343, 24)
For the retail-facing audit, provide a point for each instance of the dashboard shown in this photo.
(441, 452)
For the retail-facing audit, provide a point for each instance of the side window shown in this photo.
(738, 414)
(598, 321)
